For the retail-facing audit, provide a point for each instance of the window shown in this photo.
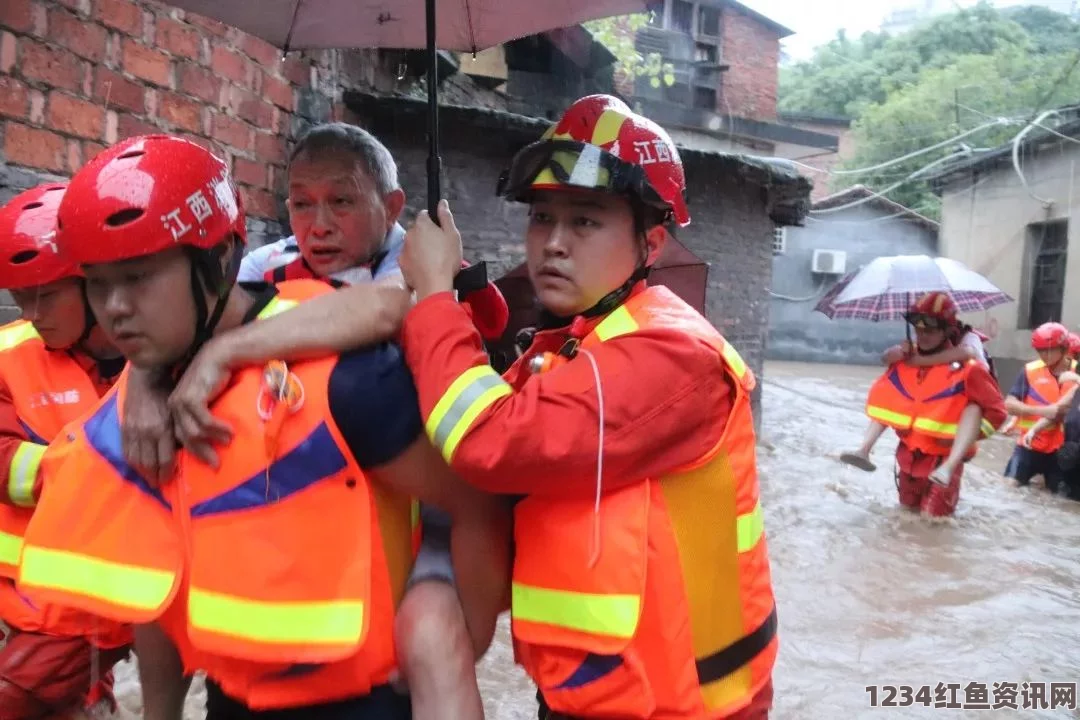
(679, 94)
(705, 98)
(779, 241)
(682, 16)
(1047, 252)
(706, 53)
(708, 21)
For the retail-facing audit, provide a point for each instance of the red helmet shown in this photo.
(1049, 336)
(937, 305)
(601, 144)
(1074, 344)
(145, 195)
(29, 255)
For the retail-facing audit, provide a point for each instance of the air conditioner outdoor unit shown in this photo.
(829, 262)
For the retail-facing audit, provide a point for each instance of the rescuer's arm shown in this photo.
(146, 425)
(957, 354)
(666, 398)
(896, 353)
(1015, 406)
(20, 457)
(373, 402)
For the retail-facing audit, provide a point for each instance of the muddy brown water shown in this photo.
(871, 595)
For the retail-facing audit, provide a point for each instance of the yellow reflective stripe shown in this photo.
(1026, 422)
(17, 335)
(467, 397)
(750, 527)
(276, 306)
(330, 622)
(10, 548)
(987, 428)
(22, 473)
(734, 359)
(935, 426)
(888, 416)
(1035, 365)
(611, 615)
(115, 583)
(618, 322)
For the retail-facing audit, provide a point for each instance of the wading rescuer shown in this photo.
(939, 412)
(641, 583)
(54, 365)
(278, 571)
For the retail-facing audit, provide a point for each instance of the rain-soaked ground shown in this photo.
(872, 595)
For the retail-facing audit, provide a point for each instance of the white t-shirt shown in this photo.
(261, 260)
(973, 341)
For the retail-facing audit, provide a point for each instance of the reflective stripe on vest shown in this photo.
(22, 474)
(14, 336)
(889, 417)
(11, 546)
(469, 395)
(276, 622)
(129, 586)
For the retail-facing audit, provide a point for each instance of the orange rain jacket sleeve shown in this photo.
(663, 393)
(12, 436)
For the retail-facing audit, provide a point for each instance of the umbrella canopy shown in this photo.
(887, 287)
(463, 25)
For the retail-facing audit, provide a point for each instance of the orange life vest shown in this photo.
(1042, 389)
(297, 270)
(278, 573)
(659, 603)
(924, 405)
(48, 390)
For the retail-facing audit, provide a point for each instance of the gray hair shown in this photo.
(339, 137)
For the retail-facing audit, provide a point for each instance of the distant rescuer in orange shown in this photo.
(938, 411)
(641, 584)
(54, 365)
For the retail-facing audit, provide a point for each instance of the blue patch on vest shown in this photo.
(592, 668)
(957, 389)
(894, 378)
(31, 435)
(102, 432)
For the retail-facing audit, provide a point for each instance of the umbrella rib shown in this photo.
(292, 24)
(469, 23)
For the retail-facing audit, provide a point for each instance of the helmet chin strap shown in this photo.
(207, 274)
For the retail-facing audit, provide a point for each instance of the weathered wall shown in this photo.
(753, 51)
(796, 331)
(984, 221)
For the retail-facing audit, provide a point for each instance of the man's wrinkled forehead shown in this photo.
(328, 166)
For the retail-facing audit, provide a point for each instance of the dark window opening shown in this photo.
(678, 94)
(705, 97)
(1047, 254)
(708, 21)
(682, 16)
(706, 53)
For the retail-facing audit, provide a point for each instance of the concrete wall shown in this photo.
(796, 331)
(984, 225)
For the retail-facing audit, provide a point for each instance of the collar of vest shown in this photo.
(582, 325)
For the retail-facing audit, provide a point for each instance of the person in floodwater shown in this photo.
(1040, 399)
(939, 411)
(276, 567)
(965, 343)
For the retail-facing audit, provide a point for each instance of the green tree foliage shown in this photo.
(947, 76)
(617, 35)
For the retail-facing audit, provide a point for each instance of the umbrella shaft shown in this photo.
(434, 163)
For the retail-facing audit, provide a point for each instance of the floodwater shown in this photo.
(870, 594)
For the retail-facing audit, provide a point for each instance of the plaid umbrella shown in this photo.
(888, 286)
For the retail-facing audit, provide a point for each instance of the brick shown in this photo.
(211, 26)
(270, 148)
(90, 149)
(296, 71)
(122, 15)
(35, 148)
(80, 6)
(258, 203)
(17, 15)
(278, 91)
(180, 111)
(8, 45)
(230, 65)
(250, 173)
(146, 63)
(37, 107)
(200, 82)
(129, 125)
(52, 66)
(260, 51)
(251, 108)
(73, 116)
(178, 38)
(112, 89)
(74, 156)
(84, 39)
(230, 131)
(14, 98)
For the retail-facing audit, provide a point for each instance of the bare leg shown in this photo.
(967, 432)
(161, 674)
(436, 654)
(861, 457)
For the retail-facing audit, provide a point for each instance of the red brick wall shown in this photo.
(77, 75)
(753, 51)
